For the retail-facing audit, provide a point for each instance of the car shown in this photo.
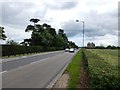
(67, 50)
(71, 50)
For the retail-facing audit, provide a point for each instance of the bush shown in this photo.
(8, 50)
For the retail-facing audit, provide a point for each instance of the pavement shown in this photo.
(37, 71)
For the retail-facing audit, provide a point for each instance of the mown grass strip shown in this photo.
(73, 70)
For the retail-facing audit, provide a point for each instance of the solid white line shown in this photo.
(33, 62)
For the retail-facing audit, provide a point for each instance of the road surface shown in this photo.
(34, 72)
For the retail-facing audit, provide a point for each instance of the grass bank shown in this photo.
(73, 70)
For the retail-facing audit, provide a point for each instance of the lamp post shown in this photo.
(83, 30)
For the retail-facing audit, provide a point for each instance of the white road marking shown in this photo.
(32, 62)
(41, 60)
(20, 66)
(3, 72)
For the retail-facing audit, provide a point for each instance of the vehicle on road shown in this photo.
(72, 50)
(67, 50)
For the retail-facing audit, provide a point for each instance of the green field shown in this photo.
(103, 68)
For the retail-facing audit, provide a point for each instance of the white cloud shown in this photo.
(16, 34)
(100, 40)
(104, 40)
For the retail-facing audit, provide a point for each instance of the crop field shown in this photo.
(103, 68)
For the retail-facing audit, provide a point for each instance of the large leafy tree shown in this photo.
(33, 29)
(30, 28)
(46, 36)
(2, 33)
(64, 38)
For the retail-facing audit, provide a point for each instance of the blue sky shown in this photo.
(100, 17)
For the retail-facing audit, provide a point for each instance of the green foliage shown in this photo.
(30, 28)
(11, 42)
(2, 33)
(72, 44)
(8, 50)
(46, 36)
(103, 68)
(34, 20)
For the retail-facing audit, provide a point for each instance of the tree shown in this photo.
(46, 36)
(109, 46)
(34, 20)
(52, 31)
(64, 37)
(40, 28)
(30, 28)
(11, 42)
(26, 42)
(58, 41)
(72, 45)
(46, 25)
(2, 33)
(60, 32)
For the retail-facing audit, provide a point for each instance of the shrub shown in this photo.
(8, 50)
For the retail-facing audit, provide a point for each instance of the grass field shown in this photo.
(103, 68)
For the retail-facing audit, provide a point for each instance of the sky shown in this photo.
(100, 17)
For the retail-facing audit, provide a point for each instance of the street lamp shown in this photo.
(83, 30)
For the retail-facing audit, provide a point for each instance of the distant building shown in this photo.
(90, 45)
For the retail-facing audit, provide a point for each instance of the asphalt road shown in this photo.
(23, 61)
(34, 72)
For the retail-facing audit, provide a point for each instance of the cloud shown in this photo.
(101, 17)
(72, 28)
(99, 40)
(16, 34)
(61, 5)
(96, 24)
(105, 40)
(18, 14)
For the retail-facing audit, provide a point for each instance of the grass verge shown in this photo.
(73, 70)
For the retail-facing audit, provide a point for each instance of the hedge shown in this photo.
(8, 50)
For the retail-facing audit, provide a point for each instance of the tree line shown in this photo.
(45, 35)
(42, 35)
